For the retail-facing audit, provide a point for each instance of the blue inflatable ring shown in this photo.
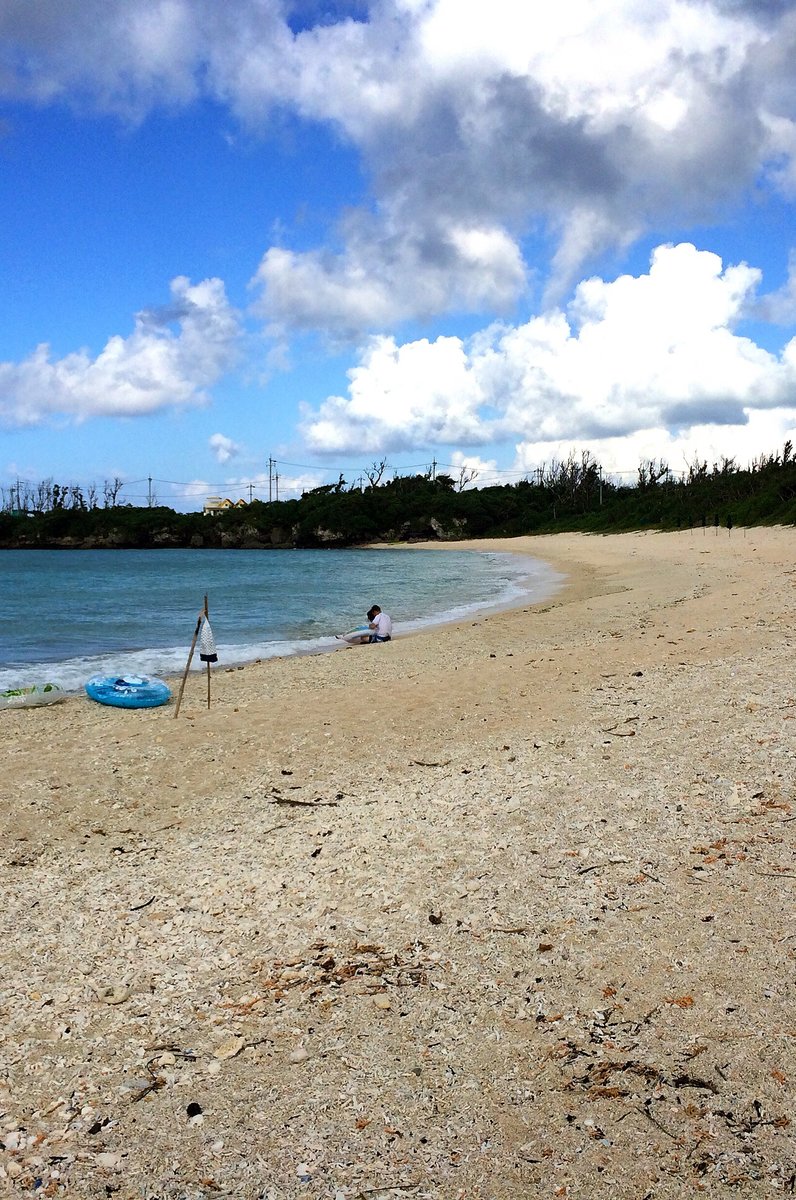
(128, 691)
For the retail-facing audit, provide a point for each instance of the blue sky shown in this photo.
(331, 234)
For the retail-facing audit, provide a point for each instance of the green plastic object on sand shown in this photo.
(32, 697)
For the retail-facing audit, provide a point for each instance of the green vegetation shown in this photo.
(569, 495)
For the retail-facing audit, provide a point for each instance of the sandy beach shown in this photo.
(503, 909)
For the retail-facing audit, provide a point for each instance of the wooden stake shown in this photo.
(206, 615)
(203, 616)
(188, 664)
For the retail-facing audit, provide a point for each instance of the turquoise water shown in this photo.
(66, 615)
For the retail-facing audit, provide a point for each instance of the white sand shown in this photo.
(499, 910)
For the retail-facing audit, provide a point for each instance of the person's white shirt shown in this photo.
(382, 625)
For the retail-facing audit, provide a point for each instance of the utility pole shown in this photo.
(270, 478)
(251, 492)
(276, 481)
(149, 491)
(433, 470)
(601, 487)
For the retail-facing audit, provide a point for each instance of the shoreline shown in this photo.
(495, 910)
(72, 672)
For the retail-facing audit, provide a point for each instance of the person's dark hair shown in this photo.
(372, 612)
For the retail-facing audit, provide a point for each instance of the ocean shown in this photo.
(66, 615)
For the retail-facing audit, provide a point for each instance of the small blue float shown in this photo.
(128, 691)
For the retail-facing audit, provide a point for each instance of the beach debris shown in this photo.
(363, 966)
(292, 802)
(108, 1160)
(229, 1048)
(612, 862)
(153, 1084)
(522, 930)
(169, 1053)
(112, 993)
(617, 732)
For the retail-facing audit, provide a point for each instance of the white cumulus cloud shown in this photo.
(423, 393)
(223, 447)
(659, 351)
(169, 360)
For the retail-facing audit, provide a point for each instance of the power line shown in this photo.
(432, 470)
(313, 467)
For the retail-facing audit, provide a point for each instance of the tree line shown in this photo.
(573, 493)
(47, 495)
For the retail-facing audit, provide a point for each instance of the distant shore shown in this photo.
(498, 909)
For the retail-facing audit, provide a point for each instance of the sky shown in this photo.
(246, 249)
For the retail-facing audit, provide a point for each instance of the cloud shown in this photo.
(223, 447)
(400, 397)
(657, 351)
(470, 470)
(375, 285)
(761, 433)
(194, 489)
(255, 487)
(476, 123)
(154, 368)
(594, 122)
(115, 56)
(780, 307)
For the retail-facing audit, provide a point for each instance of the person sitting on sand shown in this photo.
(381, 624)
